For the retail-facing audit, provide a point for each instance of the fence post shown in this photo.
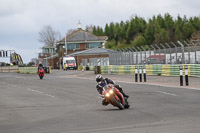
(176, 51)
(159, 53)
(145, 55)
(186, 76)
(188, 51)
(195, 51)
(149, 50)
(164, 52)
(170, 50)
(140, 54)
(154, 49)
(136, 55)
(181, 75)
(136, 73)
(182, 50)
(132, 56)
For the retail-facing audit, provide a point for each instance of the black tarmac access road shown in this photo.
(64, 102)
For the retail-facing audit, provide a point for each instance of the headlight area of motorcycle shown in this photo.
(109, 93)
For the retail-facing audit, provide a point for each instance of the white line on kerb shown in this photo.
(166, 93)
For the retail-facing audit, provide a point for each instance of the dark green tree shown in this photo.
(111, 31)
(139, 41)
(149, 33)
(94, 30)
(178, 34)
(106, 30)
(117, 32)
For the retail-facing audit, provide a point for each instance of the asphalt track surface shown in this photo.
(65, 102)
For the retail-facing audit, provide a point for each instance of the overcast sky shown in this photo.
(21, 20)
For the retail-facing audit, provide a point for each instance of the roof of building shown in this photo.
(52, 56)
(95, 50)
(83, 36)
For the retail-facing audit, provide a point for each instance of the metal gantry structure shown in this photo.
(180, 52)
(14, 57)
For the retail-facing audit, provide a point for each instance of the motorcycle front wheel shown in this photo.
(117, 103)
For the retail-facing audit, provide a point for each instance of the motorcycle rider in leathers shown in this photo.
(101, 82)
(40, 67)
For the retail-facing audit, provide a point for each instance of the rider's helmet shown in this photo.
(40, 65)
(99, 78)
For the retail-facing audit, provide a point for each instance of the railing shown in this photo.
(95, 62)
(168, 53)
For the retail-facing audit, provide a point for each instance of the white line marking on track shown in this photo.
(34, 90)
(40, 92)
(122, 127)
(166, 93)
(49, 95)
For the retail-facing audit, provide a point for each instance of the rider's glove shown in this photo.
(101, 95)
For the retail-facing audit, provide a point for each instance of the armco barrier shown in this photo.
(194, 70)
(97, 70)
(28, 70)
(9, 68)
(165, 70)
(31, 70)
(158, 69)
(149, 69)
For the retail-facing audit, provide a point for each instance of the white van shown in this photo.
(69, 62)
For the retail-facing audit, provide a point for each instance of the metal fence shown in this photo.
(169, 53)
(95, 62)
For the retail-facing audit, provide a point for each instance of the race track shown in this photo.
(63, 102)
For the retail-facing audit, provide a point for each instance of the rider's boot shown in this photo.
(127, 96)
(120, 89)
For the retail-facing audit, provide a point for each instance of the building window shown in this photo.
(51, 50)
(92, 45)
(87, 46)
(77, 46)
(46, 50)
(73, 46)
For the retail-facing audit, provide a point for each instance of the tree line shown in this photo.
(138, 32)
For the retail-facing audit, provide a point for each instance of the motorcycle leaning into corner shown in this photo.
(113, 96)
(41, 72)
